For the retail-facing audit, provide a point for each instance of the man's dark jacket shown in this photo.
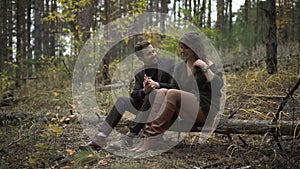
(164, 77)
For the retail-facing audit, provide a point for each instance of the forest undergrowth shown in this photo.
(42, 131)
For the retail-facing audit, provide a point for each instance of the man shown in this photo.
(154, 74)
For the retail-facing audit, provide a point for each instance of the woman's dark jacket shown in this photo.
(207, 92)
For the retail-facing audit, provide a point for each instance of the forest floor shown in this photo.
(41, 131)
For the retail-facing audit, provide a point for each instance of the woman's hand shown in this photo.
(200, 63)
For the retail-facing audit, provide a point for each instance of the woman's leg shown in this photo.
(153, 130)
(152, 114)
(189, 105)
(177, 103)
(157, 104)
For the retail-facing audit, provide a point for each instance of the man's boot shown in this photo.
(97, 143)
(125, 141)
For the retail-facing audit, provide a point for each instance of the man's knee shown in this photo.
(128, 104)
(121, 101)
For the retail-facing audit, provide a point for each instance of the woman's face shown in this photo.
(186, 52)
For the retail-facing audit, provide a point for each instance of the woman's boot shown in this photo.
(154, 130)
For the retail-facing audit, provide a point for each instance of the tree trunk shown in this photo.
(53, 29)
(196, 9)
(3, 30)
(24, 39)
(84, 21)
(10, 17)
(28, 39)
(297, 21)
(174, 11)
(256, 24)
(202, 13)
(164, 10)
(247, 12)
(105, 60)
(220, 16)
(287, 19)
(262, 20)
(38, 28)
(230, 17)
(271, 58)
(190, 10)
(46, 30)
(209, 14)
(21, 40)
(157, 9)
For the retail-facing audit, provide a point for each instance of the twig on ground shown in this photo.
(243, 141)
(213, 164)
(13, 142)
(67, 69)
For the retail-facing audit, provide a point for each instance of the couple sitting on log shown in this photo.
(164, 92)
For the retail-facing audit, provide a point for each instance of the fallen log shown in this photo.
(228, 126)
(113, 86)
(231, 126)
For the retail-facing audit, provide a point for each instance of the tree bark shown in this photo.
(230, 22)
(209, 14)
(256, 24)
(271, 45)
(46, 30)
(247, 12)
(53, 30)
(38, 28)
(10, 17)
(3, 29)
(164, 9)
(297, 22)
(220, 16)
(202, 13)
(21, 40)
(28, 39)
(84, 21)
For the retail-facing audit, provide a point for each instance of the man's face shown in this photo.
(149, 56)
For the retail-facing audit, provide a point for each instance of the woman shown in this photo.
(198, 92)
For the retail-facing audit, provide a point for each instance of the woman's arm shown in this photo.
(209, 74)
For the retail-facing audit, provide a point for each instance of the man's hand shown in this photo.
(149, 84)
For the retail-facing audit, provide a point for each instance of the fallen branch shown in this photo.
(278, 133)
(283, 103)
(264, 96)
(11, 100)
(113, 86)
